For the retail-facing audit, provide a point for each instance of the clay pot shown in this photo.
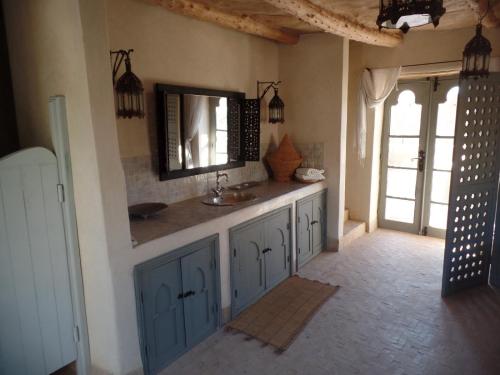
(284, 161)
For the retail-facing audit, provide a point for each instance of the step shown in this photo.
(352, 231)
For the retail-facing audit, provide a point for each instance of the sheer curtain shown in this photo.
(376, 85)
(192, 105)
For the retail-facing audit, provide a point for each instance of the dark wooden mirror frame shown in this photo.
(161, 127)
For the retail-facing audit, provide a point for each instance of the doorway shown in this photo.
(417, 153)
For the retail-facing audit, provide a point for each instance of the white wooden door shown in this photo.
(36, 316)
(417, 155)
(403, 155)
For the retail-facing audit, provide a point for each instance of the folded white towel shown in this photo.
(309, 171)
(316, 177)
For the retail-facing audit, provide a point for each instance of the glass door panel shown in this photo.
(417, 153)
(404, 139)
(443, 111)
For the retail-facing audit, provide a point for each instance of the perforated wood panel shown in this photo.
(234, 128)
(251, 129)
(473, 192)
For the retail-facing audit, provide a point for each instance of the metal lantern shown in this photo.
(405, 14)
(276, 109)
(129, 88)
(476, 56)
(276, 105)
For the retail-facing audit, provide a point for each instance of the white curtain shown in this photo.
(192, 113)
(376, 85)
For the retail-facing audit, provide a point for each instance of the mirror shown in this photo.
(198, 130)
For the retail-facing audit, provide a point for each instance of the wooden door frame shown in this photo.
(60, 142)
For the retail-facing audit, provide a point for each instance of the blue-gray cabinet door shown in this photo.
(248, 267)
(36, 312)
(277, 250)
(163, 311)
(319, 223)
(304, 231)
(199, 286)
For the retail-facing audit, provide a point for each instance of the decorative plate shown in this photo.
(145, 210)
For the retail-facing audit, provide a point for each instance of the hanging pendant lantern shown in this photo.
(476, 56)
(276, 109)
(405, 14)
(276, 105)
(129, 89)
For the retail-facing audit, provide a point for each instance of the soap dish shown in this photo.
(145, 210)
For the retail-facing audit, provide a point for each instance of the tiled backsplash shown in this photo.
(143, 184)
(312, 153)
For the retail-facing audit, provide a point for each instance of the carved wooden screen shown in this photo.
(474, 184)
(234, 129)
(251, 130)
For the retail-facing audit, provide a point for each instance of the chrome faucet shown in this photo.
(219, 189)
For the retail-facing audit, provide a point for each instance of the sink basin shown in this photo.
(244, 185)
(229, 199)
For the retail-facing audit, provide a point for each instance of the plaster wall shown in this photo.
(419, 47)
(59, 47)
(173, 49)
(314, 74)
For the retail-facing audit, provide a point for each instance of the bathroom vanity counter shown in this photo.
(189, 213)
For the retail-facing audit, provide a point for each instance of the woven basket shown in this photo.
(284, 161)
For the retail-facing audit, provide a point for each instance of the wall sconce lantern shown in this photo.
(405, 14)
(276, 105)
(129, 89)
(476, 56)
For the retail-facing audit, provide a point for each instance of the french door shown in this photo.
(417, 153)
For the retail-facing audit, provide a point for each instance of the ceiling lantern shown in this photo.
(405, 14)
(477, 53)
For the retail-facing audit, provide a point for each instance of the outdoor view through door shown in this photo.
(417, 152)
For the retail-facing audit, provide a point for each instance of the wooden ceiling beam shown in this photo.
(232, 21)
(481, 6)
(336, 24)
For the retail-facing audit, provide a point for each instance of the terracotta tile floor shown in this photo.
(387, 318)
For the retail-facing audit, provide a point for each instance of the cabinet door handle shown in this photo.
(314, 222)
(266, 250)
(187, 294)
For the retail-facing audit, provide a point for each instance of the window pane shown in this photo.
(221, 114)
(401, 183)
(405, 116)
(220, 159)
(443, 153)
(447, 112)
(438, 215)
(440, 186)
(401, 152)
(221, 142)
(399, 210)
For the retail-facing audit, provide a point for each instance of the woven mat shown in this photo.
(278, 317)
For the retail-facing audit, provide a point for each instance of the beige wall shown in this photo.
(178, 50)
(419, 47)
(314, 75)
(59, 47)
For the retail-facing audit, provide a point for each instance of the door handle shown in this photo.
(187, 294)
(421, 160)
(314, 222)
(266, 250)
